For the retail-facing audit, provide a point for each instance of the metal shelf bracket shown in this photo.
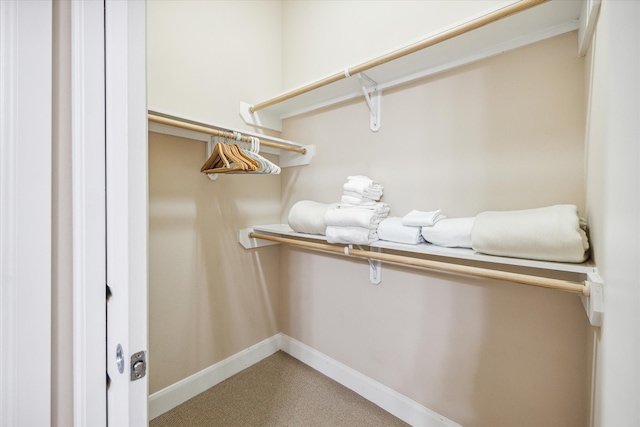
(373, 98)
(375, 268)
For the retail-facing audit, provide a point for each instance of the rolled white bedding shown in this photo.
(450, 232)
(392, 230)
(549, 234)
(307, 216)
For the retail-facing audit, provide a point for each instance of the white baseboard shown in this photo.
(391, 401)
(178, 393)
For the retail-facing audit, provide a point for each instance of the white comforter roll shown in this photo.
(307, 216)
(549, 234)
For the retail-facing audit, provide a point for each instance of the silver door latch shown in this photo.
(138, 365)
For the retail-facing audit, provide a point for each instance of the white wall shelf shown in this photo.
(586, 271)
(287, 158)
(540, 22)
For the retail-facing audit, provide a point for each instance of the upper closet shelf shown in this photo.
(428, 249)
(498, 30)
(586, 281)
(291, 153)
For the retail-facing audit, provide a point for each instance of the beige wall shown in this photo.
(321, 37)
(504, 133)
(495, 135)
(208, 298)
(204, 57)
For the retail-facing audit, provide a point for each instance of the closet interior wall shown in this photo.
(208, 298)
(504, 133)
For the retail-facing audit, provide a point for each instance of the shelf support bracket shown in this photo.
(375, 267)
(373, 100)
(251, 243)
(594, 303)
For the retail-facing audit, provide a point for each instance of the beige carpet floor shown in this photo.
(278, 391)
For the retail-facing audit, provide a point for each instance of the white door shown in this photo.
(126, 206)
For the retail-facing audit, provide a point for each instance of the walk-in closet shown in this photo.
(320, 212)
(500, 113)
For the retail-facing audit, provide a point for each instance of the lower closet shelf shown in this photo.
(589, 286)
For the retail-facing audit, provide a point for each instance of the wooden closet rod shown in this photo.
(216, 132)
(433, 40)
(544, 282)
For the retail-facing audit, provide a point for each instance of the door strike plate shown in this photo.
(138, 365)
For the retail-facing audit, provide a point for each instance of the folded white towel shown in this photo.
(363, 186)
(346, 215)
(550, 234)
(356, 200)
(357, 188)
(352, 218)
(307, 216)
(450, 232)
(366, 196)
(422, 219)
(361, 180)
(392, 230)
(351, 235)
(377, 207)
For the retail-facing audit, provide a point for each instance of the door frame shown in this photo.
(25, 211)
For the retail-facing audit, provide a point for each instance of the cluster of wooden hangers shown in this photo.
(231, 158)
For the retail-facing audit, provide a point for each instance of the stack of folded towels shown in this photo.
(407, 229)
(355, 220)
(361, 190)
(439, 230)
(427, 226)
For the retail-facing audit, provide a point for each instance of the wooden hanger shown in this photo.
(227, 158)
(232, 157)
(255, 164)
(240, 160)
(217, 161)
